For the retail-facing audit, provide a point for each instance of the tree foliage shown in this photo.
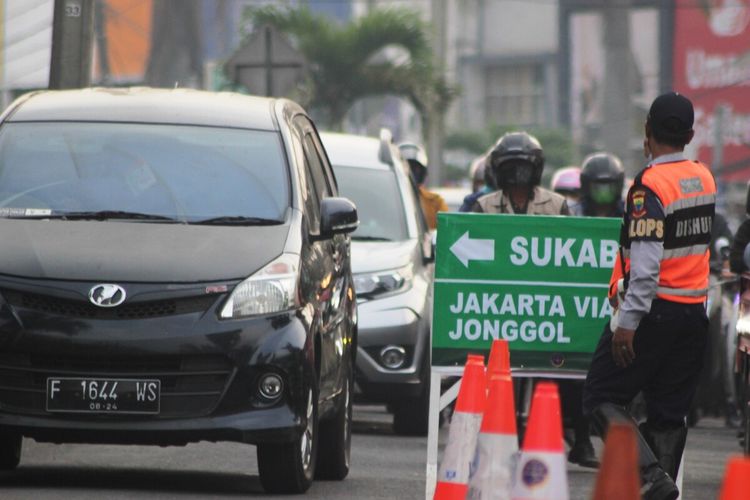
(558, 146)
(344, 59)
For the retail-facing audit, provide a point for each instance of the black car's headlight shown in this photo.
(372, 284)
(272, 289)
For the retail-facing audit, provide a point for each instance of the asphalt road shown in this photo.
(383, 467)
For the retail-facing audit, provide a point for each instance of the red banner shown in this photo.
(712, 67)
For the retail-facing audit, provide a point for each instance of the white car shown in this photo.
(392, 256)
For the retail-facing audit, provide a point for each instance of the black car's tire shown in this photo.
(410, 418)
(10, 450)
(290, 467)
(334, 445)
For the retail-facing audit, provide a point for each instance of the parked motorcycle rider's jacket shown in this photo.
(668, 218)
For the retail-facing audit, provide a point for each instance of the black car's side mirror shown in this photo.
(337, 216)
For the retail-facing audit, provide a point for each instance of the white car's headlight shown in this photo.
(371, 284)
(270, 290)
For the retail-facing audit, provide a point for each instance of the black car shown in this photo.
(175, 267)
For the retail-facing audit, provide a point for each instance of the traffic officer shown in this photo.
(602, 180)
(655, 341)
(516, 163)
(431, 203)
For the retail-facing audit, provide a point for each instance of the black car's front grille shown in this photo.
(190, 385)
(84, 309)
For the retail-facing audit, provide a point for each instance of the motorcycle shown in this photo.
(742, 357)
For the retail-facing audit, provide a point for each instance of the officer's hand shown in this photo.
(622, 347)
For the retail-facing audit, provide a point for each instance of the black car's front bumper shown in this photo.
(209, 368)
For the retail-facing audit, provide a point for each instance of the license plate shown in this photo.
(103, 395)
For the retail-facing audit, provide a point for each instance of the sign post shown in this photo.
(538, 282)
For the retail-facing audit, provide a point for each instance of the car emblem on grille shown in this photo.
(107, 295)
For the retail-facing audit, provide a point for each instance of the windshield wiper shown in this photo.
(108, 214)
(370, 238)
(237, 220)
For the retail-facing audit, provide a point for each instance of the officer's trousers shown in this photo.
(669, 345)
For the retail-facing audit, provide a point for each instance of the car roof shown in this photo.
(349, 150)
(146, 105)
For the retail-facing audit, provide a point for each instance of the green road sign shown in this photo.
(538, 282)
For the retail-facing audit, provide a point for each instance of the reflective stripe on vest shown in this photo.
(682, 292)
(694, 201)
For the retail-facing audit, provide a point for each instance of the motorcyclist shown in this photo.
(719, 368)
(516, 163)
(741, 240)
(481, 182)
(602, 179)
(566, 181)
(431, 202)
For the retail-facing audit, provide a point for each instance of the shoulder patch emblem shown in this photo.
(639, 204)
(691, 185)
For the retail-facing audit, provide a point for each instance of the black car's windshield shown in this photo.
(379, 203)
(142, 172)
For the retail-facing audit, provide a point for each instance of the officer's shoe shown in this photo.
(582, 453)
(657, 485)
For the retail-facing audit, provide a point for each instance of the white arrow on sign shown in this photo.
(466, 249)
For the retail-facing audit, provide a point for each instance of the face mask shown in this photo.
(516, 173)
(603, 193)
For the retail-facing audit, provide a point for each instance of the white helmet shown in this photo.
(413, 152)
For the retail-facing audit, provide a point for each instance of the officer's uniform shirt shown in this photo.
(646, 248)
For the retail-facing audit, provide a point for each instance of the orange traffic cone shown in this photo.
(541, 472)
(453, 476)
(734, 486)
(497, 444)
(618, 477)
(499, 361)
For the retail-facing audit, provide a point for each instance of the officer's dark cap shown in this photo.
(671, 114)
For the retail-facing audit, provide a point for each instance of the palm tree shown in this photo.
(345, 62)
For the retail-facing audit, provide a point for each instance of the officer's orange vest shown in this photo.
(687, 192)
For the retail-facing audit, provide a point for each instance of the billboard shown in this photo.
(711, 65)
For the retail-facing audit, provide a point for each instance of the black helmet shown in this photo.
(517, 159)
(602, 178)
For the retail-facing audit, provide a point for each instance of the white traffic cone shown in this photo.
(453, 476)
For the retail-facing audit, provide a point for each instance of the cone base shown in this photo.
(541, 476)
(450, 491)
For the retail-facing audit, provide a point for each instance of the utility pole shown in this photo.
(616, 126)
(435, 127)
(72, 34)
(720, 117)
(100, 28)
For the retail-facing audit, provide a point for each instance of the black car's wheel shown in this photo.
(10, 450)
(334, 446)
(290, 467)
